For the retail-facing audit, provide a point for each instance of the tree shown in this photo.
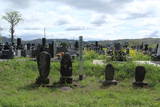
(13, 17)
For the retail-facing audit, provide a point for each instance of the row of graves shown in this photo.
(154, 52)
(98, 48)
(56, 49)
(43, 53)
(116, 52)
(66, 70)
(119, 52)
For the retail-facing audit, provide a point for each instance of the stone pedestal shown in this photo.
(139, 84)
(67, 80)
(110, 82)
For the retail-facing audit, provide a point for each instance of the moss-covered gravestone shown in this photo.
(66, 69)
(43, 61)
(109, 75)
(139, 76)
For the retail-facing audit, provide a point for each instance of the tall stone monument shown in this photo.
(66, 69)
(81, 58)
(43, 61)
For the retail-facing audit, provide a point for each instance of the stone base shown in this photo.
(139, 84)
(110, 82)
(66, 80)
(40, 81)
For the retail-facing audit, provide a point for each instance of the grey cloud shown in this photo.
(32, 28)
(76, 28)
(108, 6)
(154, 34)
(19, 3)
(104, 6)
(62, 22)
(139, 15)
(97, 5)
(99, 21)
(1, 29)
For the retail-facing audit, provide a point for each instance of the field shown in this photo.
(17, 87)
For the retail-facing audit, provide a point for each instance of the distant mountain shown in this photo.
(151, 41)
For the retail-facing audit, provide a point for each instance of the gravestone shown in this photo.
(127, 51)
(19, 45)
(6, 46)
(43, 61)
(54, 48)
(51, 49)
(19, 53)
(80, 57)
(141, 46)
(139, 76)
(146, 47)
(158, 50)
(43, 42)
(126, 45)
(117, 46)
(109, 75)
(66, 69)
(28, 46)
(76, 45)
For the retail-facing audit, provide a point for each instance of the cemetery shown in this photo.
(45, 79)
(84, 53)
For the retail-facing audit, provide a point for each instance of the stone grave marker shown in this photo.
(109, 75)
(141, 46)
(80, 57)
(158, 50)
(19, 44)
(117, 46)
(66, 69)
(76, 45)
(43, 61)
(139, 76)
(146, 47)
(51, 49)
(127, 51)
(43, 42)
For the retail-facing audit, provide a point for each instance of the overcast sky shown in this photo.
(93, 19)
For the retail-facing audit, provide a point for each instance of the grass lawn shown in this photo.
(17, 78)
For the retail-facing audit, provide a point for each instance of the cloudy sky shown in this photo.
(93, 19)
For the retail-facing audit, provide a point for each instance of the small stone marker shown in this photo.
(109, 75)
(66, 69)
(43, 61)
(139, 76)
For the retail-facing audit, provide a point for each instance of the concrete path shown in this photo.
(155, 63)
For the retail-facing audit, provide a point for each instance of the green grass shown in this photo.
(17, 78)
